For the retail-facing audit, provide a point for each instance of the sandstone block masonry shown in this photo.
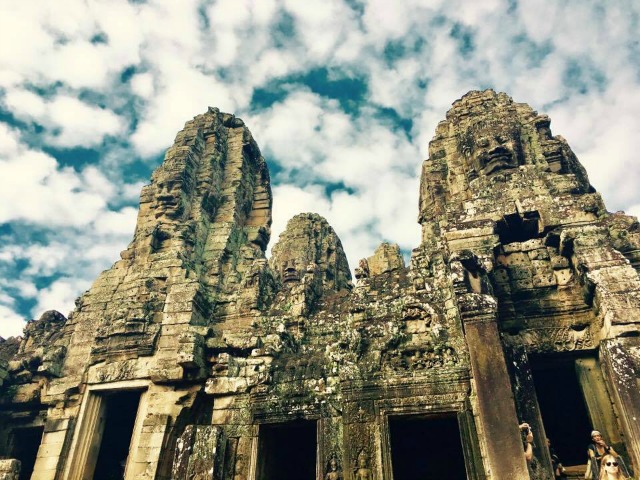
(196, 357)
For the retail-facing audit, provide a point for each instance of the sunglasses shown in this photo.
(611, 464)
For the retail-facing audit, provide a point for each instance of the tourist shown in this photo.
(533, 466)
(610, 468)
(597, 451)
(598, 448)
(558, 468)
(528, 448)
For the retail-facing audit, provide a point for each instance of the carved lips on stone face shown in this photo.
(289, 272)
(491, 148)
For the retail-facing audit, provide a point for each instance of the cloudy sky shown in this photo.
(342, 96)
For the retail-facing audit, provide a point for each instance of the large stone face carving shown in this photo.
(219, 350)
(489, 143)
(491, 146)
(309, 244)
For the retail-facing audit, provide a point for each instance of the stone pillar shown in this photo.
(495, 404)
(330, 435)
(199, 453)
(53, 447)
(598, 402)
(83, 453)
(620, 359)
(527, 407)
(361, 448)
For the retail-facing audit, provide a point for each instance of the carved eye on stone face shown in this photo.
(501, 139)
(483, 142)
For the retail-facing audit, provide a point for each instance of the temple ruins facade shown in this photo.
(197, 357)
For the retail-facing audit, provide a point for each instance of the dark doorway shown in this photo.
(428, 448)
(120, 416)
(287, 451)
(562, 407)
(26, 442)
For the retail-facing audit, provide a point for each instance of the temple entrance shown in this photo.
(104, 434)
(428, 448)
(26, 442)
(120, 411)
(287, 451)
(562, 407)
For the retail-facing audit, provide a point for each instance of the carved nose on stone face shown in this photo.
(495, 141)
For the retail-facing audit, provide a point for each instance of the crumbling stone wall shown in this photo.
(518, 256)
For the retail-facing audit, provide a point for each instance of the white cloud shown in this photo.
(11, 323)
(81, 124)
(603, 130)
(142, 85)
(95, 181)
(183, 61)
(184, 93)
(387, 21)
(60, 296)
(57, 196)
(121, 223)
(80, 64)
(25, 104)
(49, 43)
(130, 192)
(376, 165)
(387, 82)
(634, 210)
(322, 26)
(70, 122)
(45, 260)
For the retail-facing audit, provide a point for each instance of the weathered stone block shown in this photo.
(9, 469)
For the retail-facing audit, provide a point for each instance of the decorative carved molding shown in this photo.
(553, 339)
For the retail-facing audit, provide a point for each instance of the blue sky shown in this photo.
(342, 96)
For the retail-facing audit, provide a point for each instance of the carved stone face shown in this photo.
(169, 197)
(491, 148)
(289, 272)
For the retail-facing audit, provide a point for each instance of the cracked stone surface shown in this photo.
(518, 257)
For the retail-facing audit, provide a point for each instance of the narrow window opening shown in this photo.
(562, 407)
(120, 416)
(287, 451)
(518, 228)
(428, 448)
(26, 442)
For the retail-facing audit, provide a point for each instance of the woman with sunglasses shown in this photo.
(610, 469)
(597, 451)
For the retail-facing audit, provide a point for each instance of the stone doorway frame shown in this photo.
(598, 402)
(87, 436)
(255, 447)
(466, 427)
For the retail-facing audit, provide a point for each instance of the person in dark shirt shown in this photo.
(558, 469)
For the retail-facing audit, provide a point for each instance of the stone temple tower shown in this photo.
(195, 357)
